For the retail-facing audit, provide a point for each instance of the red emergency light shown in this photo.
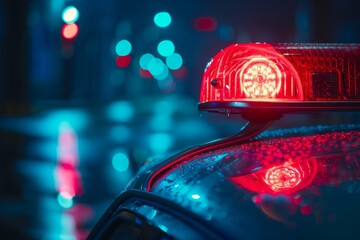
(282, 78)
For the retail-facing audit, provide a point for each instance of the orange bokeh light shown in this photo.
(69, 31)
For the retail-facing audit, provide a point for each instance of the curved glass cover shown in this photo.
(286, 77)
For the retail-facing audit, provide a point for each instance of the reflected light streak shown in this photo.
(282, 179)
(67, 177)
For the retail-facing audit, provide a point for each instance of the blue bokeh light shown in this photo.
(123, 47)
(195, 196)
(174, 61)
(65, 200)
(163, 75)
(70, 14)
(120, 161)
(121, 111)
(166, 48)
(160, 142)
(162, 19)
(145, 60)
(156, 66)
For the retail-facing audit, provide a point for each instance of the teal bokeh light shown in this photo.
(160, 142)
(70, 14)
(166, 48)
(156, 66)
(120, 161)
(195, 196)
(174, 61)
(163, 75)
(145, 60)
(123, 48)
(121, 111)
(65, 200)
(162, 19)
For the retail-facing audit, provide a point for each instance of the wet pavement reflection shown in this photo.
(62, 166)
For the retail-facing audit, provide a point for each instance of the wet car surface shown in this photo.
(302, 186)
(299, 183)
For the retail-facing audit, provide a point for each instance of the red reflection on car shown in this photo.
(290, 166)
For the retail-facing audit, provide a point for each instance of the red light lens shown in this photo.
(260, 78)
(250, 72)
(287, 73)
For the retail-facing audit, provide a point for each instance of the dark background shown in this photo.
(74, 122)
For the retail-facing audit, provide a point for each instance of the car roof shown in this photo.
(209, 184)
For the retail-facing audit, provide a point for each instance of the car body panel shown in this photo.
(322, 201)
(219, 194)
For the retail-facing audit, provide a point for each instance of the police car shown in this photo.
(283, 183)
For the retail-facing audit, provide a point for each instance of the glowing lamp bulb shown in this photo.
(260, 78)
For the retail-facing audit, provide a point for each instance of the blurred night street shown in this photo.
(90, 91)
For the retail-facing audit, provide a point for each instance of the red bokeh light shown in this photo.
(123, 61)
(145, 73)
(257, 199)
(180, 73)
(306, 210)
(205, 24)
(69, 31)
